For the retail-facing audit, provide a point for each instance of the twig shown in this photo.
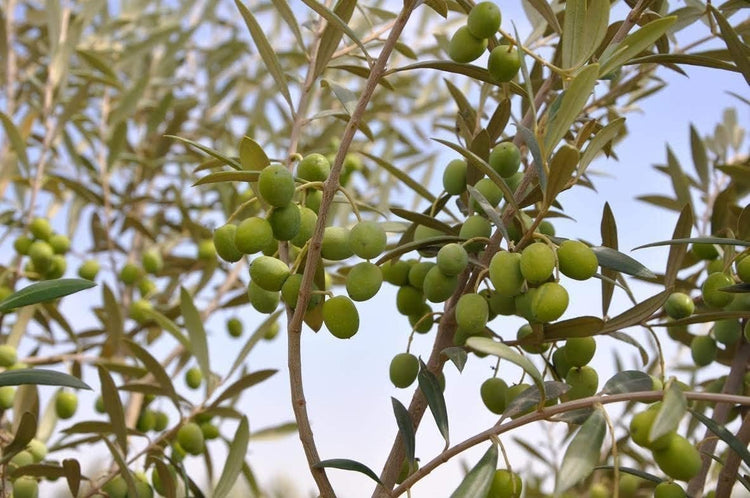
(729, 473)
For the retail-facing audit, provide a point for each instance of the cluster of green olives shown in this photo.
(470, 41)
(45, 249)
(27, 486)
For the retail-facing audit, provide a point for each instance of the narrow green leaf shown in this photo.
(679, 179)
(16, 142)
(457, 355)
(439, 6)
(114, 321)
(688, 59)
(266, 51)
(412, 246)
(677, 252)
(662, 201)
(156, 369)
(72, 474)
(402, 177)
(113, 407)
(252, 156)
(623, 337)
(725, 435)
(544, 9)
(346, 97)
(700, 158)
(234, 461)
(423, 219)
(671, 412)
(430, 387)
(489, 346)
(615, 260)
(44, 291)
(168, 325)
(275, 432)
(743, 224)
(228, 176)
(479, 479)
(628, 381)
(638, 313)
(253, 340)
(698, 240)
(123, 466)
(24, 433)
(634, 472)
(232, 163)
(531, 398)
(474, 72)
(336, 26)
(168, 481)
(582, 326)
(561, 169)
(490, 211)
(499, 119)
(583, 452)
(737, 49)
(346, 464)
(41, 377)
(602, 138)
(405, 428)
(197, 334)
(243, 383)
(616, 55)
(584, 27)
(536, 155)
(576, 95)
(286, 13)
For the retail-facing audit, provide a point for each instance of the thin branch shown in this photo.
(729, 473)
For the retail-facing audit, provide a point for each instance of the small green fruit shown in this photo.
(465, 47)
(454, 177)
(190, 438)
(472, 313)
(269, 273)
(66, 404)
(396, 272)
(409, 300)
(367, 239)
(206, 250)
(743, 269)
(714, 297)
(703, 350)
(41, 254)
(475, 226)
(8, 356)
(549, 302)
(678, 459)
(494, 392)
(579, 350)
(341, 317)
(705, 251)
(314, 168)
(210, 431)
(537, 263)
(285, 222)
(37, 449)
(224, 243)
(437, 286)
(364, 281)
(253, 235)
(403, 370)
(21, 459)
(26, 487)
(22, 244)
(640, 428)
(679, 305)
(146, 421)
(335, 244)
(276, 185)
(264, 301)
(505, 273)
(452, 259)
(60, 243)
(158, 482)
(534, 346)
(577, 260)
(234, 327)
(484, 20)
(727, 331)
(583, 382)
(489, 191)
(560, 362)
(503, 63)
(161, 421)
(152, 261)
(669, 490)
(418, 272)
(505, 159)
(308, 220)
(41, 228)
(505, 484)
(139, 310)
(7, 394)
(193, 377)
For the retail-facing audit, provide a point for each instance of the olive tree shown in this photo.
(291, 159)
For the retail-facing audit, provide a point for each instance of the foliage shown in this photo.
(301, 144)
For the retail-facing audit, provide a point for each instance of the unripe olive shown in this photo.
(560, 362)
(285, 222)
(579, 350)
(549, 302)
(367, 239)
(57, 267)
(667, 489)
(7, 394)
(483, 20)
(422, 322)
(679, 305)
(234, 326)
(577, 260)
(583, 382)
(308, 220)
(364, 281)
(66, 404)
(472, 313)
(210, 431)
(505, 159)
(705, 251)
(269, 273)
(21, 459)
(37, 449)
(290, 292)
(252, 235)
(25, 487)
(41, 254)
(501, 305)
(224, 243)
(313, 199)
(535, 347)
(475, 226)
(409, 300)
(547, 228)
(271, 331)
(276, 185)
(60, 243)
(396, 272)
(503, 63)
(152, 261)
(465, 47)
(403, 370)
(156, 481)
(678, 459)
(454, 177)
(139, 310)
(505, 273)
(190, 438)
(452, 259)
(505, 484)
(314, 168)
(22, 244)
(716, 265)
(494, 393)
(490, 191)
(8, 355)
(264, 301)
(703, 350)
(335, 244)
(341, 317)
(712, 295)
(146, 421)
(743, 269)
(640, 427)
(161, 421)
(524, 305)
(41, 228)
(193, 377)
(727, 331)
(206, 250)
(537, 262)
(437, 286)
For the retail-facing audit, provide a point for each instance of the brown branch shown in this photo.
(729, 473)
